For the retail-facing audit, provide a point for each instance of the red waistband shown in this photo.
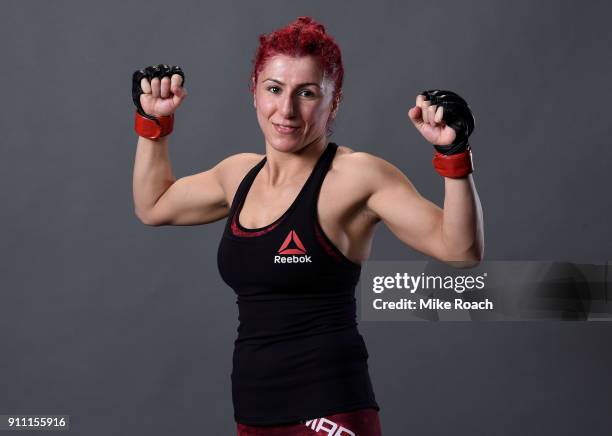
(364, 422)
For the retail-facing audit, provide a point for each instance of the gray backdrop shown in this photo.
(129, 329)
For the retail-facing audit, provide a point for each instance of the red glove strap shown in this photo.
(455, 165)
(153, 129)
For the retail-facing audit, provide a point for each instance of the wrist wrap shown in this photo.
(454, 166)
(155, 127)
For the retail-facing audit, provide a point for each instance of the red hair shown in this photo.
(303, 37)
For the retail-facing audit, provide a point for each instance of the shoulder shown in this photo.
(231, 170)
(365, 170)
(239, 160)
(237, 164)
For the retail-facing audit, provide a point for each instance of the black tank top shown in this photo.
(298, 354)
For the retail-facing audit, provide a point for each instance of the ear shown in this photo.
(334, 108)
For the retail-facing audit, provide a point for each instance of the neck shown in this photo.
(287, 167)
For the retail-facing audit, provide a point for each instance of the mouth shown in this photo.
(285, 128)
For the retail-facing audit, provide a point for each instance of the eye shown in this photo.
(307, 93)
(274, 89)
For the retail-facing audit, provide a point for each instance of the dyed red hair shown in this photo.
(303, 37)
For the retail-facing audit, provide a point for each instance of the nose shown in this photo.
(287, 106)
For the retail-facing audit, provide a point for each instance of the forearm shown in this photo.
(152, 174)
(462, 222)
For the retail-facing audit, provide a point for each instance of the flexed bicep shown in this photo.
(412, 218)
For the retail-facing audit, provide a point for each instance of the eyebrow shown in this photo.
(301, 84)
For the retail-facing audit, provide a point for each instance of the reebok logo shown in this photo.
(292, 245)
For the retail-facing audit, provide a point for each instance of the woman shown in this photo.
(300, 222)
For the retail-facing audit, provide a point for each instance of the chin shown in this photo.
(287, 145)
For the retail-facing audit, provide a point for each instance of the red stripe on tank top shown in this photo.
(237, 231)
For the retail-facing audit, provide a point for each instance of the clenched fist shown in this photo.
(444, 119)
(158, 90)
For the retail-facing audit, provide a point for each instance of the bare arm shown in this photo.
(462, 221)
(152, 175)
(450, 234)
(454, 233)
(160, 199)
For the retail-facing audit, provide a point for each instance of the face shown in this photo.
(293, 101)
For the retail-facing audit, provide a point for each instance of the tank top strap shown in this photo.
(243, 189)
(308, 198)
